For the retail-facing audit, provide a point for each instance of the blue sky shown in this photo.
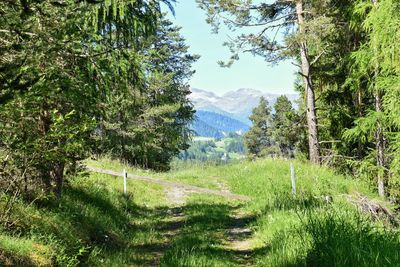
(248, 72)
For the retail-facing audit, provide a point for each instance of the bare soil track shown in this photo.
(185, 187)
(235, 234)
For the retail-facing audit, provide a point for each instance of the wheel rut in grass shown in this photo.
(166, 224)
(176, 195)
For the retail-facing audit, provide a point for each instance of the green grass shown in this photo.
(303, 230)
(95, 225)
(24, 252)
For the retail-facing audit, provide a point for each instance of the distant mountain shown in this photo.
(211, 124)
(235, 104)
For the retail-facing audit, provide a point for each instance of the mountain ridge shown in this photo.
(237, 104)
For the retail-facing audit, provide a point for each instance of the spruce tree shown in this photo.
(61, 62)
(258, 138)
(376, 64)
(285, 126)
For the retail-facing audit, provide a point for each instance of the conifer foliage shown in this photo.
(274, 134)
(84, 77)
(258, 138)
(348, 58)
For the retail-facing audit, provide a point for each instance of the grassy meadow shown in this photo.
(96, 225)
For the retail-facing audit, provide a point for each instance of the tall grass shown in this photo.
(96, 225)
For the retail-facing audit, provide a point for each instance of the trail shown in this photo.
(235, 237)
(239, 239)
(184, 187)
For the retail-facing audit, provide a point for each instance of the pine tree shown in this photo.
(60, 64)
(147, 124)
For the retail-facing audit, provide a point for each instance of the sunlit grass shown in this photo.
(23, 252)
(95, 224)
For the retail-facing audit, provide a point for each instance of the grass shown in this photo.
(95, 225)
(24, 252)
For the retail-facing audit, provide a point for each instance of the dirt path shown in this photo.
(176, 195)
(235, 237)
(239, 239)
(193, 189)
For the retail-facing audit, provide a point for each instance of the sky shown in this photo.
(248, 72)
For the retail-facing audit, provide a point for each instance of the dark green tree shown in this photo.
(285, 126)
(147, 123)
(258, 138)
(60, 62)
(376, 66)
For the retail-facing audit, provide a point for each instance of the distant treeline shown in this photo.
(211, 124)
(207, 150)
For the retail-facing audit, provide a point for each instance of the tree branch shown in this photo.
(318, 57)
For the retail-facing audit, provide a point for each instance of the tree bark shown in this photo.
(359, 104)
(312, 123)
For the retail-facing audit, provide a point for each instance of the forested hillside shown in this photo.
(211, 124)
(214, 150)
(200, 128)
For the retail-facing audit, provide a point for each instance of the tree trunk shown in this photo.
(46, 179)
(313, 143)
(379, 136)
(58, 177)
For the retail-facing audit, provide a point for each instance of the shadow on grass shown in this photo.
(335, 237)
(10, 259)
(108, 223)
(204, 239)
(95, 227)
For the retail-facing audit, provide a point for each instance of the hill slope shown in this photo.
(211, 124)
(95, 225)
(201, 128)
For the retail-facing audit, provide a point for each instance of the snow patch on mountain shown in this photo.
(236, 104)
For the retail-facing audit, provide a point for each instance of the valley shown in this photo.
(236, 105)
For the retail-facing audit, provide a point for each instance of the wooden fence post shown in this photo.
(292, 178)
(125, 176)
